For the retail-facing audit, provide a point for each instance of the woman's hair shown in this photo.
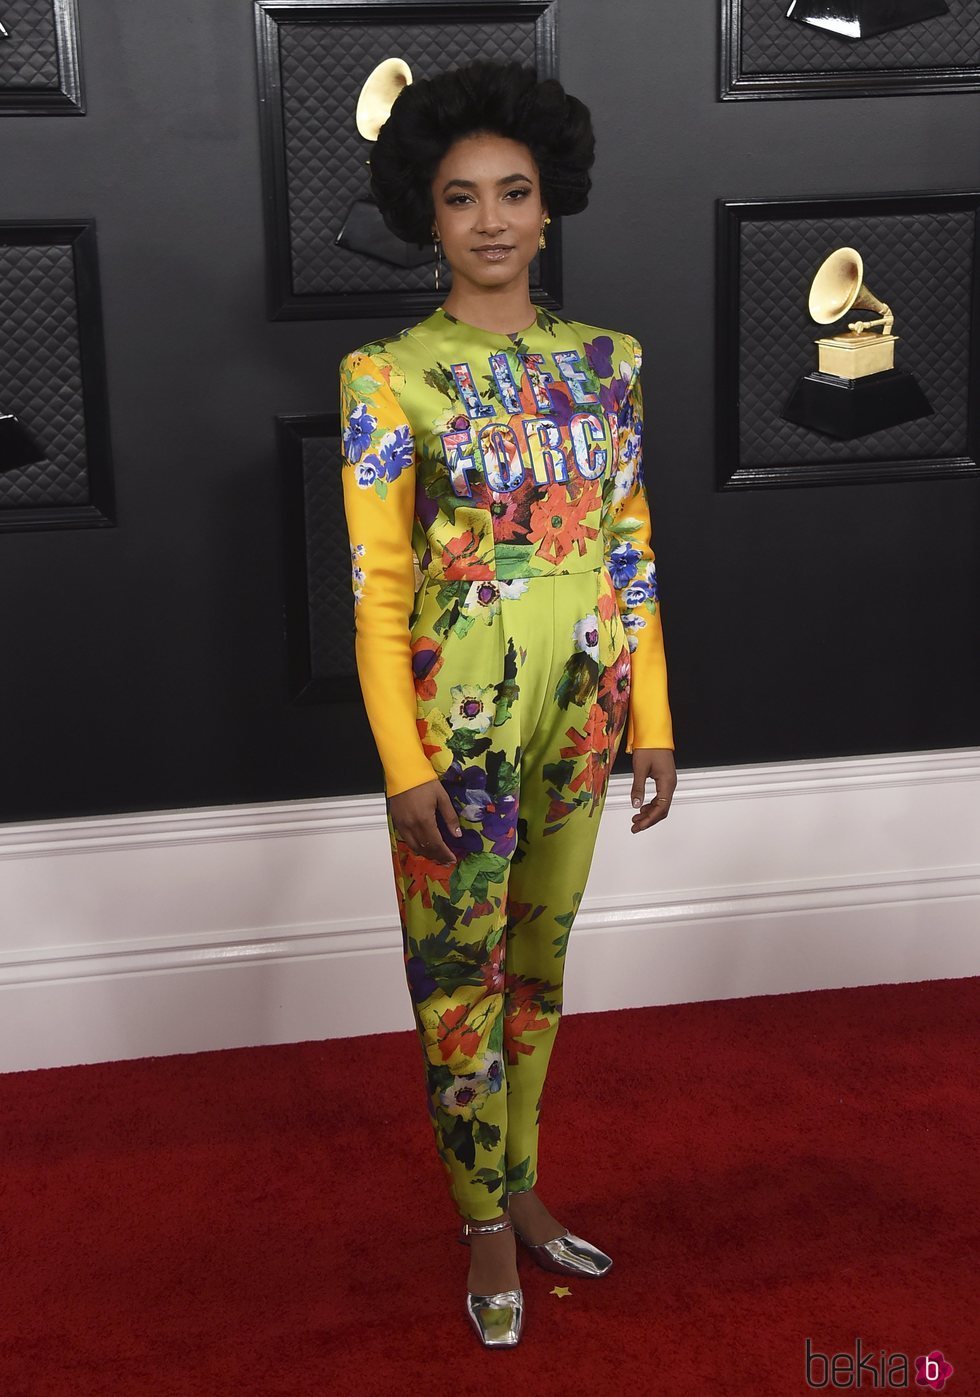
(506, 99)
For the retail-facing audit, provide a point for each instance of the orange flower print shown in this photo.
(593, 744)
(492, 969)
(523, 1015)
(426, 664)
(509, 514)
(555, 527)
(606, 603)
(419, 873)
(461, 558)
(614, 686)
(455, 1034)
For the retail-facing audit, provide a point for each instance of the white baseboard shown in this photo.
(216, 927)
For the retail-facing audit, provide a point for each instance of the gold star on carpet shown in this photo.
(560, 1290)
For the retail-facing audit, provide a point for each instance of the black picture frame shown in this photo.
(301, 222)
(320, 664)
(766, 359)
(53, 47)
(886, 65)
(53, 379)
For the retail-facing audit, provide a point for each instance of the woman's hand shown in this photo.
(656, 764)
(413, 813)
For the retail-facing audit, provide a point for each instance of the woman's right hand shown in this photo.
(413, 814)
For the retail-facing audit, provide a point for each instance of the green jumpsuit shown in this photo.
(507, 633)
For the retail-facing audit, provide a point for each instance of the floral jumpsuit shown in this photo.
(507, 631)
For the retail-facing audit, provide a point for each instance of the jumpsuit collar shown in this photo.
(442, 319)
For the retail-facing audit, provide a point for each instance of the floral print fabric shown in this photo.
(483, 457)
(507, 637)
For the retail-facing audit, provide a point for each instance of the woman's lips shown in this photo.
(493, 254)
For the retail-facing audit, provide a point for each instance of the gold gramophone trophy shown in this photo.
(860, 19)
(855, 388)
(364, 229)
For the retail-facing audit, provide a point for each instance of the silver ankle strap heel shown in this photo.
(497, 1318)
(568, 1254)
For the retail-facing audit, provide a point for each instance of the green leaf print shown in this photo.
(467, 743)
(477, 872)
(625, 527)
(519, 1174)
(579, 680)
(559, 773)
(508, 689)
(566, 919)
(442, 381)
(502, 776)
(457, 1135)
(489, 392)
(491, 1179)
(514, 560)
(365, 385)
(442, 947)
(486, 1134)
(439, 1077)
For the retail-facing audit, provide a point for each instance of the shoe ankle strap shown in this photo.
(502, 1224)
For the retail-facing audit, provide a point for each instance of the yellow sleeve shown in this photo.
(632, 566)
(378, 473)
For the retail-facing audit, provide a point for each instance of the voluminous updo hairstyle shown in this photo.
(507, 99)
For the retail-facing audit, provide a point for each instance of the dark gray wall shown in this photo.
(144, 665)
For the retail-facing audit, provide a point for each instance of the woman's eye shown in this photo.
(521, 194)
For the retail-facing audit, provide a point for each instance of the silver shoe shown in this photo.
(569, 1254)
(497, 1318)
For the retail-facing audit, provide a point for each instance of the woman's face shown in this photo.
(486, 191)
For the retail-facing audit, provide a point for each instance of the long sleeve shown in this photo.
(378, 475)
(631, 563)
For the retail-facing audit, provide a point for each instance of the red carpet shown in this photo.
(273, 1221)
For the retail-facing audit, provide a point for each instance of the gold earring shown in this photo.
(541, 241)
(437, 249)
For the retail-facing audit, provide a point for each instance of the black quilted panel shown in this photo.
(29, 58)
(40, 373)
(771, 43)
(323, 68)
(331, 600)
(919, 264)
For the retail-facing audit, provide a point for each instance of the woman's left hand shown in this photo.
(656, 764)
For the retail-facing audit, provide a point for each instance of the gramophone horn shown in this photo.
(378, 94)
(839, 285)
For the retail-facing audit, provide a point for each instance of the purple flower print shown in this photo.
(599, 354)
(641, 592)
(368, 470)
(420, 982)
(396, 453)
(424, 657)
(627, 415)
(468, 792)
(357, 434)
(622, 561)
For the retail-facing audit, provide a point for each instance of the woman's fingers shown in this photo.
(414, 814)
(433, 844)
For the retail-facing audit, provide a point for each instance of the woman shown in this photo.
(507, 629)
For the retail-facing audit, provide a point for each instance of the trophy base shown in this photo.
(853, 407)
(860, 19)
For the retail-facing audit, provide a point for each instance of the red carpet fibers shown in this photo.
(273, 1221)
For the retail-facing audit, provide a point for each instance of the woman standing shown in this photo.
(508, 629)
